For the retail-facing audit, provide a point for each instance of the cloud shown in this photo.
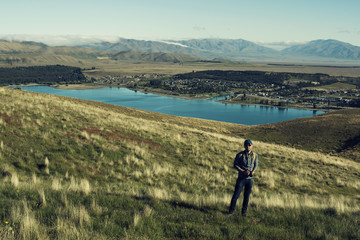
(199, 28)
(281, 44)
(174, 43)
(59, 40)
(347, 31)
(344, 31)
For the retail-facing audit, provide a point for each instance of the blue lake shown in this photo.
(205, 109)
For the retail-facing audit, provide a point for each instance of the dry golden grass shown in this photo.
(30, 228)
(82, 186)
(96, 208)
(14, 180)
(56, 184)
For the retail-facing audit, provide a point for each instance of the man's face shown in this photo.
(248, 147)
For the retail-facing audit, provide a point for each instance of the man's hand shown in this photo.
(247, 172)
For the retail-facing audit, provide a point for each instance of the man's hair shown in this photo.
(248, 142)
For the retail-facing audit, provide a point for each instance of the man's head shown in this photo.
(248, 145)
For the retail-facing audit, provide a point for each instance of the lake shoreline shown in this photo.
(148, 90)
(85, 86)
(298, 107)
(161, 92)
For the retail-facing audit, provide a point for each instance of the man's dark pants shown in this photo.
(240, 184)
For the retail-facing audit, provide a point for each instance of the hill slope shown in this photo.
(35, 54)
(72, 168)
(154, 57)
(38, 59)
(36, 48)
(336, 132)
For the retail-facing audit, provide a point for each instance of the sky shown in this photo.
(253, 20)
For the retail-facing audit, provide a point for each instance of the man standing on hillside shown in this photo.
(246, 163)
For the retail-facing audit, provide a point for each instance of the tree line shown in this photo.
(237, 76)
(51, 74)
(277, 78)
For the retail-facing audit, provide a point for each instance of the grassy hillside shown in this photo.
(7, 47)
(9, 60)
(337, 133)
(76, 169)
(14, 47)
(334, 87)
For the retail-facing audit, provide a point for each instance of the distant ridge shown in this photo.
(34, 53)
(317, 51)
(201, 48)
(239, 49)
(230, 47)
(150, 47)
(325, 48)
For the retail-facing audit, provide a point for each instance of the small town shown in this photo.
(307, 94)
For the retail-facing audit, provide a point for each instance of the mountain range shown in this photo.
(192, 50)
(34, 53)
(326, 48)
(239, 49)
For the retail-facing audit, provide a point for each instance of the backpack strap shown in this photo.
(254, 155)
